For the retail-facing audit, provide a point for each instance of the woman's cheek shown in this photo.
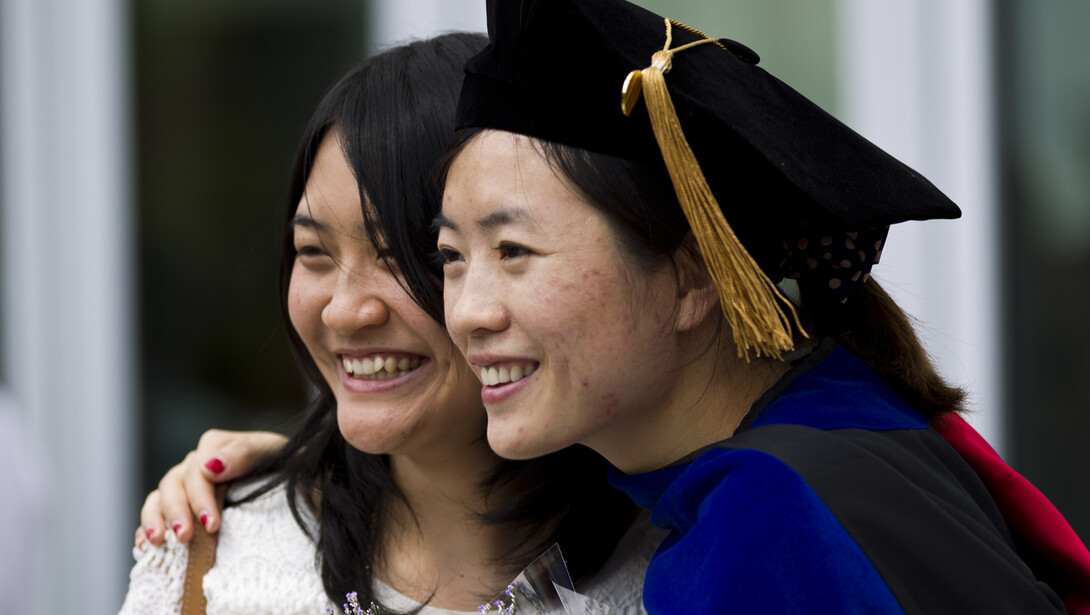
(598, 297)
(451, 296)
(295, 300)
(304, 305)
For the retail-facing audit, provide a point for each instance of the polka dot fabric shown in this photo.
(835, 261)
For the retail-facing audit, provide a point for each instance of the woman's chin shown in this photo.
(373, 437)
(512, 443)
(372, 446)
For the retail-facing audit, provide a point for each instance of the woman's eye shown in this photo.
(510, 250)
(308, 251)
(446, 256)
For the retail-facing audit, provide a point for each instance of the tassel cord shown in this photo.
(752, 304)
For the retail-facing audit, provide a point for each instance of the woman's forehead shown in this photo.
(506, 166)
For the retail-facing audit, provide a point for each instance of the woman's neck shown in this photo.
(704, 404)
(437, 546)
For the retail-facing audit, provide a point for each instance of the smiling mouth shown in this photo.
(495, 375)
(380, 367)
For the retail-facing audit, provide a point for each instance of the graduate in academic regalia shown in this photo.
(655, 248)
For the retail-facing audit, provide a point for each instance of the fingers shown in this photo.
(201, 501)
(221, 456)
(175, 503)
(152, 527)
(187, 492)
(227, 455)
(224, 456)
(186, 497)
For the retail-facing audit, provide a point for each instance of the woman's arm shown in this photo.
(187, 491)
(157, 579)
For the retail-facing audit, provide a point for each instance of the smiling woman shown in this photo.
(533, 278)
(401, 386)
(688, 273)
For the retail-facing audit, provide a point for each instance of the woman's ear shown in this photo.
(698, 299)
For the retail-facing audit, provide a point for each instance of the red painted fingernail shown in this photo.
(204, 520)
(215, 465)
(177, 527)
(149, 531)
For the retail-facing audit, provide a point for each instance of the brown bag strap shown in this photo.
(202, 554)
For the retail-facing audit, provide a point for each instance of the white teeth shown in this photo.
(367, 367)
(380, 368)
(491, 376)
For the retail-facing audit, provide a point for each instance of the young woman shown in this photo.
(388, 488)
(609, 276)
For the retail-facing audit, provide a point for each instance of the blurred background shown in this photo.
(145, 149)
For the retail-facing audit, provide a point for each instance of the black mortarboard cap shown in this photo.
(790, 179)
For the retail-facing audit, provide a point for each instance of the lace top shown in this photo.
(265, 564)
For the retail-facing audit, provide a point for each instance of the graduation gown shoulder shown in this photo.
(837, 497)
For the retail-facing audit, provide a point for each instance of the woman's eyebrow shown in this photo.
(440, 222)
(505, 216)
(307, 222)
(495, 219)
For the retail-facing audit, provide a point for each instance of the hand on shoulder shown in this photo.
(187, 493)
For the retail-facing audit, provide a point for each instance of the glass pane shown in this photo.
(223, 91)
(1044, 98)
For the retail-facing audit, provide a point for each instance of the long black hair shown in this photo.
(394, 115)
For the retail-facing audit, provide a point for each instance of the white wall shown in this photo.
(916, 80)
(68, 319)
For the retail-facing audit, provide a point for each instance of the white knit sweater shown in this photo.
(265, 564)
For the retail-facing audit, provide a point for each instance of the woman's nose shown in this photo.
(354, 305)
(474, 308)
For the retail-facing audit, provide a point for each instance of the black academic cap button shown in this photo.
(740, 51)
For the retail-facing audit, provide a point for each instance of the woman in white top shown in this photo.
(388, 487)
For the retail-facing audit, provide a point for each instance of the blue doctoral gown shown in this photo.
(835, 496)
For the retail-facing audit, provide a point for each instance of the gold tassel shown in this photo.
(752, 304)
